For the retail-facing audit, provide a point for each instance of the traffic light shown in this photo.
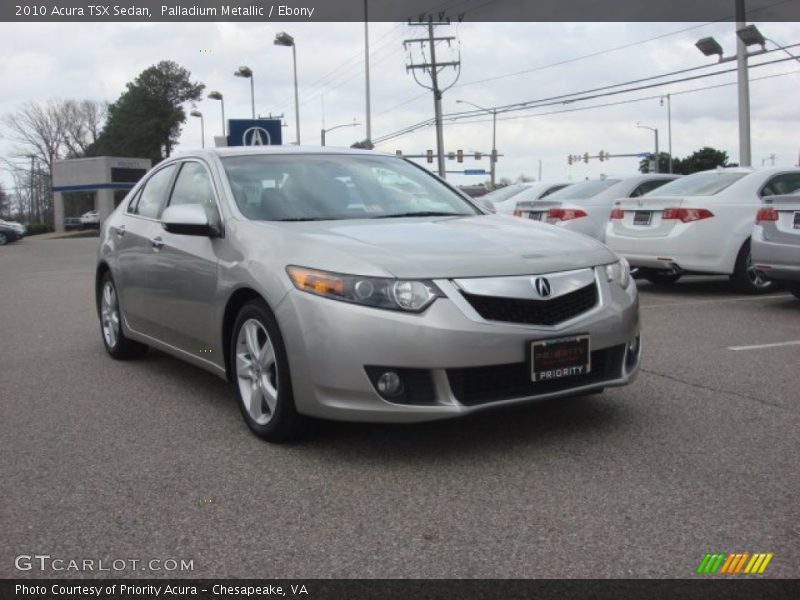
(478, 155)
(569, 159)
(430, 155)
(460, 156)
(451, 155)
(586, 157)
(602, 156)
(494, 156)
(398, 152)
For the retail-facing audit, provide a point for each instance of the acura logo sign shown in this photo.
(256, 136)
(542, 287)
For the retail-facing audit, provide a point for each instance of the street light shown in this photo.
(197, 113)
(654, 130)
(284, 39)
(323, 131)
(493, 158)
(746, 35)
(247, 73)
(218, 96)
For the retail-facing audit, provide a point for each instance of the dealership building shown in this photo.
(81, 185)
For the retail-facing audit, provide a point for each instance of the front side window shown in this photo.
(305, 187)
(193, 186)
(154, 193)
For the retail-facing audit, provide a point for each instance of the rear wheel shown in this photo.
(660, 277)
(3, 239)
(746, 277)
(261, 375)
(117, 345)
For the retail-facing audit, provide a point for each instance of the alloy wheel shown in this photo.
(257, 371)
(757, 277)
(109, 314)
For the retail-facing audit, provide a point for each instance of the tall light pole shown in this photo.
(654, 130)
(323, 131)
(197, 113)
(218, 96)
(247, 73)
(746, 35)
(493, 158)
(669, 127)
(284, 39)
(366, 70)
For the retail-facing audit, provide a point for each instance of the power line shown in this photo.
(564, 98)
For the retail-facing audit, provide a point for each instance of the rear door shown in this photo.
(183, 277)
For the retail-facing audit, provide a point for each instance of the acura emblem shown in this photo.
(542, 286)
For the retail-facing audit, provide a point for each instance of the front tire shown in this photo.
(261, 375)
(3, 239)
(114, 340)
(794, 288)
(660, 278)
(746, 278)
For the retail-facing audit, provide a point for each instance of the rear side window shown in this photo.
(648, 186)
(152, 197)
(786, 183)
(705, 183)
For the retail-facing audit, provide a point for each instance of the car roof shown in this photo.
(276, 150)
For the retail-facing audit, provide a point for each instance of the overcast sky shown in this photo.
(40, 61)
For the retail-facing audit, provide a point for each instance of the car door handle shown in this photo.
(119, 230)
(157, 243)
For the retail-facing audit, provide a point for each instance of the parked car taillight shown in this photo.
(686, 215)
(565, 214)
(517, 212)
(617, 213)
(766, 214)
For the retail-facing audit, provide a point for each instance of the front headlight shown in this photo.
(620, 272)
(394, 294)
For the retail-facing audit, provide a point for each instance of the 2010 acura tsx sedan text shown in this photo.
(353, 285)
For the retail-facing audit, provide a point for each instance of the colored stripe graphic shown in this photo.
(734, 563)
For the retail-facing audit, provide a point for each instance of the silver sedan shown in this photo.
(775, 242)
(353, 285)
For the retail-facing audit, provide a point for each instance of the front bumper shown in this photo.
(778, 261)
(330, 344)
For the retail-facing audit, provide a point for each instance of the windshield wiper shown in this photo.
(423, 213)
(302, 219)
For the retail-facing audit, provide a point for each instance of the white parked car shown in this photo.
(584, 207)
(524, 193)
(90, 218)
(700, 223)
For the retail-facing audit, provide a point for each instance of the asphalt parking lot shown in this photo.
(151, 458)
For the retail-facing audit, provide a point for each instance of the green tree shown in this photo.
(663, 164)
(5, 202)
(146, 120)
(704, 159)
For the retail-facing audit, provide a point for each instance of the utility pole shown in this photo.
(433, 68)
(30, 199)
(669, 128)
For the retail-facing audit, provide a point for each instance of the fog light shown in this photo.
(632, 354)
(389, 384)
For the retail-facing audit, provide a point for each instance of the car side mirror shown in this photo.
(188, 219)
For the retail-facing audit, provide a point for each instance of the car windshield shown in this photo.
(505, 193)
(311, 187)
(582, 190)
(698, 184)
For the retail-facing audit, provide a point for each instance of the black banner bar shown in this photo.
(380, 589)
(393, 11)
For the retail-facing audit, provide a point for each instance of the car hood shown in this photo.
(439, 247)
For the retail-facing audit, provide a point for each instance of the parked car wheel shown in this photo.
(117, 345)
(746, 277)
(659, 277)
(794, 288)
(3, 239)
(261, 375)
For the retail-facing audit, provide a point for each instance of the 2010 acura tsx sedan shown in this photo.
(352, 285)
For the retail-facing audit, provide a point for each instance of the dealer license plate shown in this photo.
(797, 220)
(560, 358)
(642, 217)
